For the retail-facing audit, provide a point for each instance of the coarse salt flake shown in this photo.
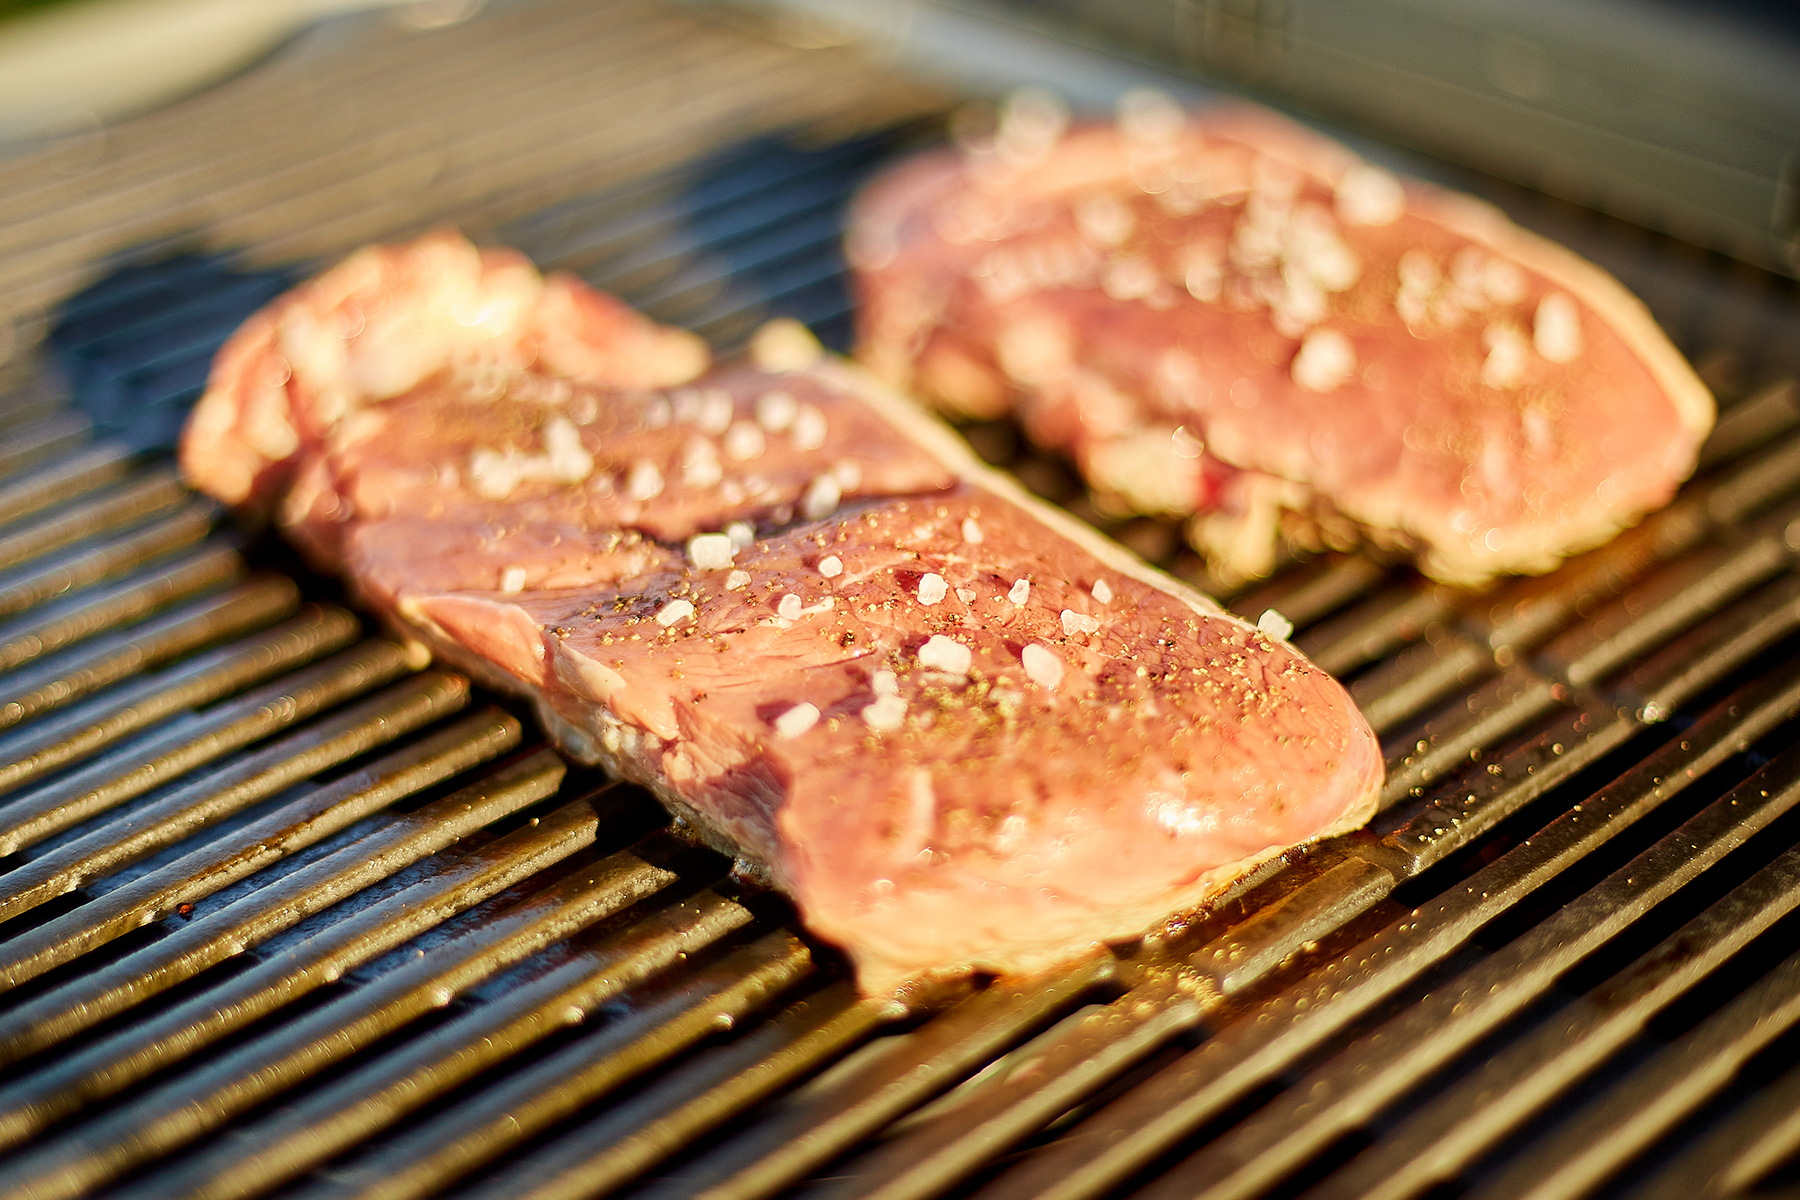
(1556, 331)
(809, 428)
(1507, 357)
(743, 441)
(567, 459)
(1102, 592)
(711, 551)
(512, 580)
(885, 683)
(741, 533)
(1020, 593)
(784, 344)
(737, 581)
(831, 566)
(715, 411)
(700, 464)
(796, 720)
(493, 474)
(1368, 195)
(1147, 115)
(1326, 359)
(971, 531)
(645, 482)
(1041, 666)
(1275, 625)
(1074, 623)
(966, 595)
(790, 607)
(932, 589)
(673, 611)
(887, 714)
(821, 499)
(1503, 282)
(775, 411)
(946, 654)
(1105, 219)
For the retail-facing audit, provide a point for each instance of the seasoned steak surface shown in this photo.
(1227, 316)
(960, 730)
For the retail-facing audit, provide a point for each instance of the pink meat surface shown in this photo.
(1226, 315)
(959, 729)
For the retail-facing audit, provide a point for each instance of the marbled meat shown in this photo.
(1226, 316)
(959, 729)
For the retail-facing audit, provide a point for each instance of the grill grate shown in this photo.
(282, 911)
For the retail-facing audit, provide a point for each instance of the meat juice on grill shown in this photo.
(958, 728)
(1228, 316)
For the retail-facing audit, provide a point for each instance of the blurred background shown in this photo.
(285, 132)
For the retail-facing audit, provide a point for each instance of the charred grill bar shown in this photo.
(284, 912)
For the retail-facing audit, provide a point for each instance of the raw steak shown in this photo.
(959, 729)
(1229, 316)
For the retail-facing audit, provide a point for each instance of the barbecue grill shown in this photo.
(286, 910)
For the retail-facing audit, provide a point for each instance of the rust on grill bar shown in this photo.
(285, 910)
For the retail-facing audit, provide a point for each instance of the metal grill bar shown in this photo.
(276, 172)
(65, 679)
(813, 1033)
(84, 730)
(1316, 590)
(717, 999)
(84, 471)
(85, 1002)
(1498, 707)
(187, 526)
(240, 120)
(103, 785)
(1759, 419)
(721, 254)
(150, 494)
(1382, 1064)
(1128, 1135)
(652, 227)
(1443, 1139)
(1390, 620)
(174, 1114)
(1420, 677)
(1734, 1158)
(215, 796)
(368, 1100)
(1031, 1087)
(1691, 665)
(1650, 1101)
(130, 601)
(30, 1105)
(287, 830)
(815, 1128)
(56, 434)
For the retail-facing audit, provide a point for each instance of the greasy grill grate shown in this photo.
(285, 913)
